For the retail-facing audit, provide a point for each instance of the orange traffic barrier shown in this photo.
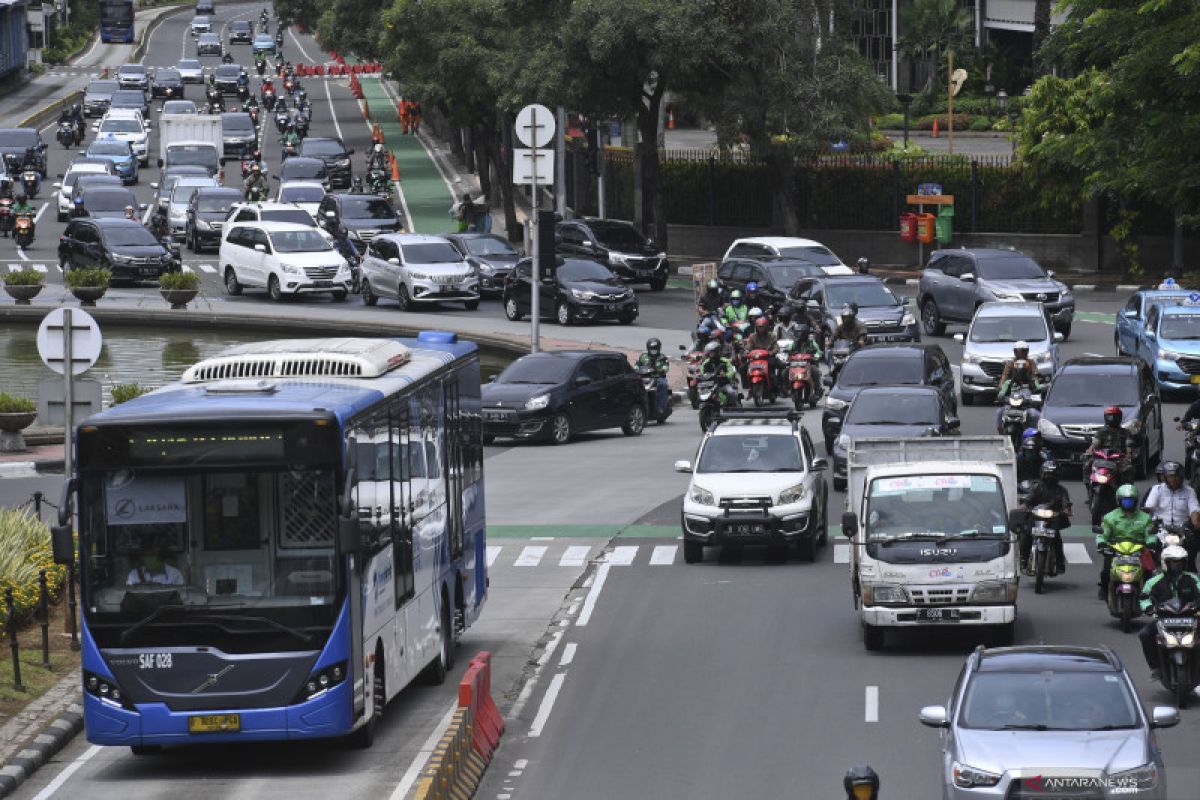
(935, 127)
(670, 120)
(475, 693)
(395, 167)
(366, 110)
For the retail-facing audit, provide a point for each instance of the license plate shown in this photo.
(748, 528)
(1177, 622)
(322, 284)
(215, 723)
(1196, 379)
(937, 615)
(497, 416)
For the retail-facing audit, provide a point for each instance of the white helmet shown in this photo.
(1021, 345)
(378, 148)
(1174, 553)
(755, 312)
(712, 347)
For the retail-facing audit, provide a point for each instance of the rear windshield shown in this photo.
(182, 193)
(189, 63)
(115, 147)
(120, 126)
(301, 194)
(821, 256)
(19, 137)
(129, 96)
(299, 169)
(1088, 388)
(107, 199)
(878, 371)
(368, 208)
(237, 122)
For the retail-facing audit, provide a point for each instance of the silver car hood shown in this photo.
(997, 751)
(1002, 351)
(1024, 285)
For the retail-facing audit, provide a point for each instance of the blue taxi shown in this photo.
(263, 43)
(1169, 342)
(1131, 319)
(119, 152)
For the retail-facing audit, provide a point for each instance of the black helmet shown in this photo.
(784, 314)
(653, 346)
(861, 783)
(1049, 471)
(22, 198)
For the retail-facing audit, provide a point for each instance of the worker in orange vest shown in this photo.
(414, 116)
(404, 118)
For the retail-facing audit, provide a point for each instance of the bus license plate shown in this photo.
(937, 615)
(215, 723)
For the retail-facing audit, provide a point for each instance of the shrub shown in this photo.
(95, 277)
(889, 122)
(10, 404)
(24, 550)
(981, 124)
(179, 280)
(24, 277)
(124, 392)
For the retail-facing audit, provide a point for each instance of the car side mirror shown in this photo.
(395, 261)
(582, 380)
(262, 248)
(1058, 337)
(819, 465)
(62, 544)
(967, 277)
(849, 524)
(960, 338)
(1164, 717)
(934, 717)
(683, 466)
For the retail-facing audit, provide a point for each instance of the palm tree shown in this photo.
(931, 29)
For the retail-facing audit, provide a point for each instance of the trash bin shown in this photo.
(908, 227)
(925, 228)
(945, 224)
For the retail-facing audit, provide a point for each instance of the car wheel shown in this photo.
(274, 290)
(560, 429)
(968, 399)
(564, 315)
(402, 299)
(693, 552)
(1065, 331)
(872, 637)
(635, 421)
(369, 297)
(511, 311)
(931, 320)
(232, 287)
(627, 319)
(471, 305)
(339, 296)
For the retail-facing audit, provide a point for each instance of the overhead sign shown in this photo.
(535, 126)
(524, 162)
(86, 340)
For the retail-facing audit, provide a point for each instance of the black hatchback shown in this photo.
(576, 291)
(122, 246)
(553, 395)
(167, 84)
(617, 245)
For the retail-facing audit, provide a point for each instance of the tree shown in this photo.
(1041, 30)
(934, 28)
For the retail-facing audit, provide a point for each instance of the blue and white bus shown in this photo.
(117, 20)
(275, 546)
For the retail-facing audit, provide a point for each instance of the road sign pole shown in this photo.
(68, 394)
(535, 272)
(560, 157)
(601, 137)
(535, 128)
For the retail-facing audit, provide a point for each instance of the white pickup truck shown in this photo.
(932, 534)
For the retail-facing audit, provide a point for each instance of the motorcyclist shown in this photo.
(735, 310)
(130, 212)
(1112, 436)
(158, 222)
(227, 58)
(804, 341)
(1018, 372)
(1174, 503)
(31, 159)
(849, 328)
(1174, 581)
(711, 300)
(654, 358)
(1031, 455)
(762, 338)
(701, 336)
(752, 298)
(1047, 491)
(67, 116)
(716, 363)
(1192, 413)
(289, 139)
(23, 208)
(1125, 523)
(12, 166)
(255, 185)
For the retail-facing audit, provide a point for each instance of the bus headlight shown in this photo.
(105, 689)
(320, 682)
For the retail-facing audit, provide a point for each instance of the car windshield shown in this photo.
(618, 237)
(237, 123)
(886, 408)
(209, 38)
(777, 453)
(129, 236)
(200, 21)
(784, 275)
(1008, 329)
(239, 25)
(1000, 269)
(1180, 326)
(431, 253)
(367, 208)
(935, 505)
(489, 246)
(307, 241)
(132, 69)
(110, 200)
(322, 147)
(179, 107)
(109, 148)
(189, 63)
(219, 203)
(102, 87)
(182, 192)
(120, 126)
(538, 369)
(1048, 700)
(821, 256)
(301, 194)
(859, 371)
(1078, 388)
(166, 75)
(867, 294)
(297, 169)
(297, 215)
(75, 174)
(583, 271)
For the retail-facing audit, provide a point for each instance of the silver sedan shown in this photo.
(190, 70)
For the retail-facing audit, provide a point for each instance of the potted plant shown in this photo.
(88, 285)
(16, 414)
(179, 288)
(124, 392)
(23, 285)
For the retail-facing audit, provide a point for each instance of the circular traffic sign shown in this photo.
(86, 340)
(535, 125)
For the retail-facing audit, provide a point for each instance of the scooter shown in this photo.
(301, 124)
(800, 372)
(289, 84)
(1175, 634)
(839, 354)
(380, 183)
(268, 98)
(279, 38)
(253, 111)
(281, 117)
(758, 374)
(1125, 579)
(243, 92)
(23, 230)
(1044, 552)
(712, 398)
(1102, 483)
(66, 134)
(649, 378)
(31, 181)
(691, 361)
(6, 216)
(1018, 415)
(260, 66)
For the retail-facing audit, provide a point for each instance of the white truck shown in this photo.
(932, 527)
(192, 134)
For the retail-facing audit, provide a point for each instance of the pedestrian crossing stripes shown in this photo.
(534, 555)
(1075, 552)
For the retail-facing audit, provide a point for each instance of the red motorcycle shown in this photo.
(23, 230)
(758, 374)
(1103, 480)
(800, 371)
(6, 216)
(691, 361)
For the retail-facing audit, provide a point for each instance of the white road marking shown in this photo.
(187, 268)
(622, 556)
(541, 538)
(589, 603)
(67, 772)
(38, 217)
(872, 703)
(1093, 355)
(574, 556)
(21, 253)
(527, 690)
(841, 554)
(493, 552)
(1076, 553)
(39, 268)
(209, 268)
(300, 47)
(409, 779)
(332, 113)
(568, 654)
(663, 554)
(530, 557)
(543, 713)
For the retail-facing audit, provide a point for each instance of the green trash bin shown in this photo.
(944, 225)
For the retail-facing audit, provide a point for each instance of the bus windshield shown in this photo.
(116, 12)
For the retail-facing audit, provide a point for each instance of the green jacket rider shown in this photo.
(1125, 523)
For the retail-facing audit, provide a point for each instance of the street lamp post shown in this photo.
(905, 102)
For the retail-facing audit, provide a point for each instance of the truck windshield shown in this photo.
(751, 454)
(916, 506)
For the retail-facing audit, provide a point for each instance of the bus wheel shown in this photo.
(444, 662)
(364, 737)
(146, 749)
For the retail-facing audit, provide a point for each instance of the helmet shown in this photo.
(1113, 416)
(653, 346)
(712, 348)
(1173, 558)
(761, 323)
(861, 783)
(1171, 468)
(754, 313)
(1049, 471)
(751, 287)
(735, 297)
(784, 314)
(129, 211)
(256, 167)
(1029, 434)
(378, 148)
(714, 284)
(1127, 497)
(1021, 347)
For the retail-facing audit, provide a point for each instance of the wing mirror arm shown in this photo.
(62, 535)
(349, 540)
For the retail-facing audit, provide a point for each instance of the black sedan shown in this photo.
(167, 84)
(891, 412)
(576, 291)
(553, 395)
(334, 154)
(494, 257)
(886, 317)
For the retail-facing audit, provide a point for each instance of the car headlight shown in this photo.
(908, 319)
(877, 593)
(290, 269)
(966, 777)
(117, 258)
(1167, 355)
(1143, 777)
(1002, 294)
(834, 404)
(970, 358)
(538, 402)
(485, 268)
(202, 225)
(843, 441)
(616, 258)
(990, 592)
(583, 294)
(1133, 426)
(792, 494)
(1048, 428)
(1043, 357)
(702, 496)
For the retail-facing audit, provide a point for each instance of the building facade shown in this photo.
(14, 40)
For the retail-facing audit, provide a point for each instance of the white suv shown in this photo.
(756, 480)
(66, 185)
(414, 268)
(127, 125)
(284, 258)
(788, 247)
(988, 343)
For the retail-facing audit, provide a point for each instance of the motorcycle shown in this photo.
(260, 66)
(256, 194)
(227, 58)
(800, 371)
(66, 134)
(31, 182)
(380, 183)
(839, 354)
(1125, 579)
(1018, 414)
(1044, 553)
(243, 92)
(691, 360)
(279, 38)
(712, 398)
(289, 84)
(1175, 634)
(649, 378)
(214, 96)
(268, 98)
(6, 216)
(253, 111)
(23, 230)
(1191, 450)
(1103, 480)
(301, 124)
(759, 375)
(281, 118)
(288, 150)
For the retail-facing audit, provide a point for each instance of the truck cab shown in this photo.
(932, 534)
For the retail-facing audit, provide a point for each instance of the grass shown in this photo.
(9, 404)
(24, 277)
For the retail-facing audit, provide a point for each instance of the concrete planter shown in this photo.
(88, 295)
(179, 298)
(11, 425)
(24, 293)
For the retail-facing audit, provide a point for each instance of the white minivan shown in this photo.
(128, 125)
(988, 343)
(284, 258)
(416, 268)
(66, 186)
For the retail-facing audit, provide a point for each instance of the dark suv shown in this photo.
(885, 316)
(334, 154)
(226, 77)
(886, 365)
(554, 395)
(774, 275)
(121, 245)
(241, 30)
(238, 134)
(1074, 405)
(365, 216)
(579, 290)
(617, 245)
(206, 213)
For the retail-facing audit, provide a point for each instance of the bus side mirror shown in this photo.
(849, 525)
(62, 544)
(349, 540)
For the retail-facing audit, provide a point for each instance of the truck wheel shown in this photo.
(693, 552)
(872, 637)
(1005, 635)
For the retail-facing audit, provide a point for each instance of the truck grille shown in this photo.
(1080, 431)
(320, 273)
(736, 504)
(993, 369)
(940, 595)
(1041, 297)
(1190, 365)
(642, 264)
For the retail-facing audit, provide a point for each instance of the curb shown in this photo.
(44, 746)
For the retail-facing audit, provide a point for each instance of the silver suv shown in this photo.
(417, 269)
(988, 343)
(955, 282)
(1048, 721)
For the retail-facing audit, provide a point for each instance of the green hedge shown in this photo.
(24, 550)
